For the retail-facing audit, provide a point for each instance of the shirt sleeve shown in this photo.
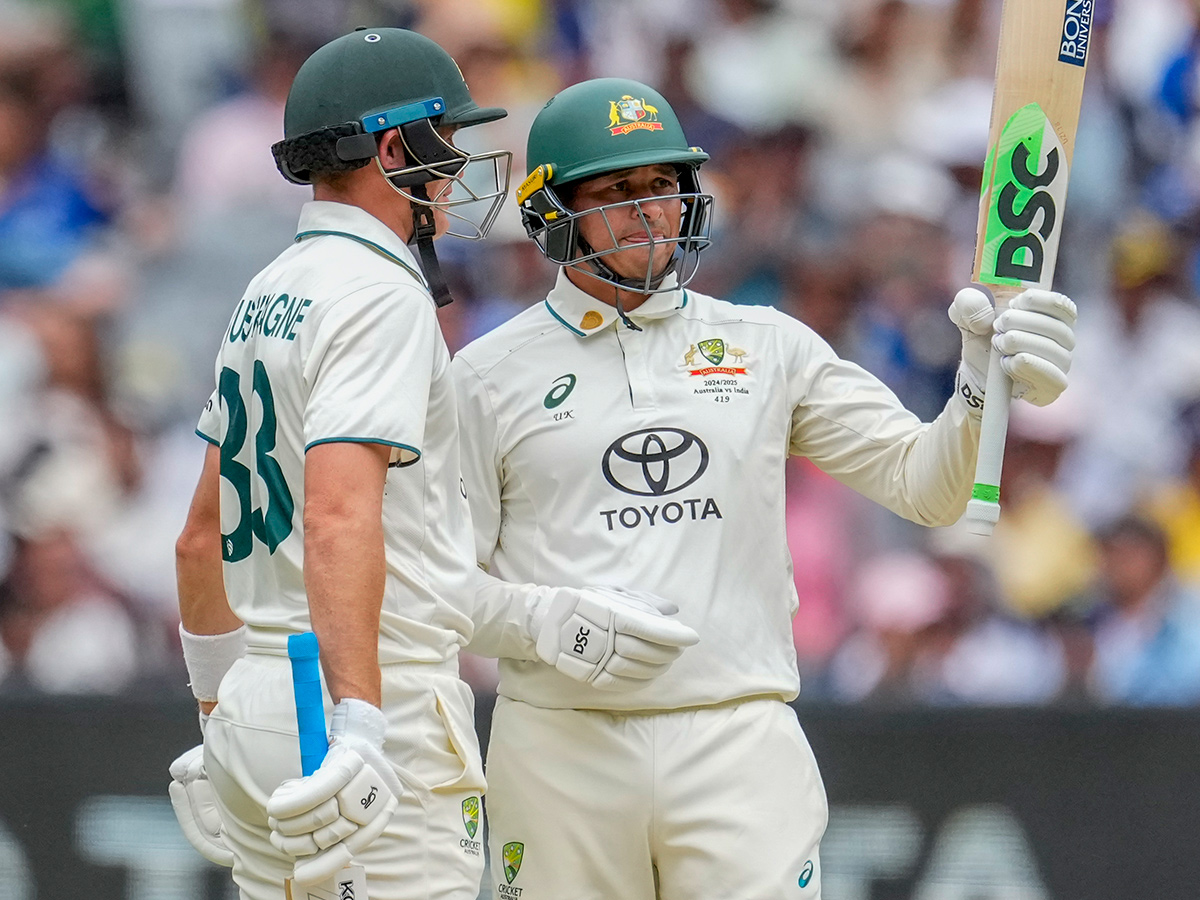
(853, 427)
(209, 426)
(368, 374)
(480, 454)
(503, 613)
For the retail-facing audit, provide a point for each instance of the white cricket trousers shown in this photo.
(715, 803)
(432, 850)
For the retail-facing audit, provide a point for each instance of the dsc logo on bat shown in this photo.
(1017, 208)
(1025, 187)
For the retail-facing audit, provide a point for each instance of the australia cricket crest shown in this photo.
(631, 114)
(715, 351)
(470, 814)
(512, 854)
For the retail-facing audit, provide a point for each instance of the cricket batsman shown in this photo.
(631, 432)
(331, 500)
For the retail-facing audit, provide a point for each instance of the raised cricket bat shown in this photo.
(1035, 112)
(304, 652)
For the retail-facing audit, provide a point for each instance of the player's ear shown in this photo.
(391, 150)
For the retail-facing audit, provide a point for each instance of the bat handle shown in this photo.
(304, 653)
(983, 509)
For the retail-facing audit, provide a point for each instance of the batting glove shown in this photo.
(325, 818)
(1035, 336)
(611, 638)
(195, 805)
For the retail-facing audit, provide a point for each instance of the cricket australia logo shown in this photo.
(470, 814)
(714, 350)
(512, 854)
(630, 114)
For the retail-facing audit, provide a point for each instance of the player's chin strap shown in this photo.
(424, 229)
(632, 285)
(625, 320)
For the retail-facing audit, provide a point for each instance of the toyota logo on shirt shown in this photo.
(654, 462)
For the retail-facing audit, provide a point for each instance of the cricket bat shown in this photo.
(304, 652)
(1040, 66)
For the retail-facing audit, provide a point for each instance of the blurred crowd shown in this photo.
(138, 196)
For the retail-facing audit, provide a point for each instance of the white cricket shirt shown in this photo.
(596, 454)
(338, 340)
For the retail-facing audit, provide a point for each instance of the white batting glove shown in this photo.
(195, 805)
(611, 638)
(1035, 336)
(325, 818)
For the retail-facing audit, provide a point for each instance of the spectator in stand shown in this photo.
(1176, 506)
(979, 653)
(1148, 634)
(1043, 555)
(50, 212)
(897, 599)
(225, 164)
(1136, 364)
(61, 630)
(902, 248)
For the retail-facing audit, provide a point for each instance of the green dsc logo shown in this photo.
(563, 385)
(513, 852)
(806, 875)
(470, 814)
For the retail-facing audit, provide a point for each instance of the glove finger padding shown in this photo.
(651, 603)
(1020, 320)
(1035, 379)
(1049, 303)
(323, 865)
(622, 667)
(654, 629)
(973, 313)
(301, 795)
(1036, 337)
(635, 648)
(308, 821)
(1015, 343)
(334, 832)
(195, 806)
(295, 845)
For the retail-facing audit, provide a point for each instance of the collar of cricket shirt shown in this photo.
(584, 315)
(324, 217)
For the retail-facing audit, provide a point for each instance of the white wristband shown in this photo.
(209, 657)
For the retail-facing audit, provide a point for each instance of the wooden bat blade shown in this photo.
(1040, 67)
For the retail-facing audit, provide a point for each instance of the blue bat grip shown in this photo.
(304, 653)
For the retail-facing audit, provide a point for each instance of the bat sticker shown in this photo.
(1026, 176)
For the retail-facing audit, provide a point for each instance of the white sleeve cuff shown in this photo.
(209, 657)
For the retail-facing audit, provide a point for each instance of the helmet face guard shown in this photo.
(555, 228)
(476, 178)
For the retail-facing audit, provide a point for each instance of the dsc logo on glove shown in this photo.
(581, 640)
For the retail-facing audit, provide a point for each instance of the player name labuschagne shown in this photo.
(271, 315)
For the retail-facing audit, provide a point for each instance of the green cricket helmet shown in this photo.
(593, 128)
(358, 86)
